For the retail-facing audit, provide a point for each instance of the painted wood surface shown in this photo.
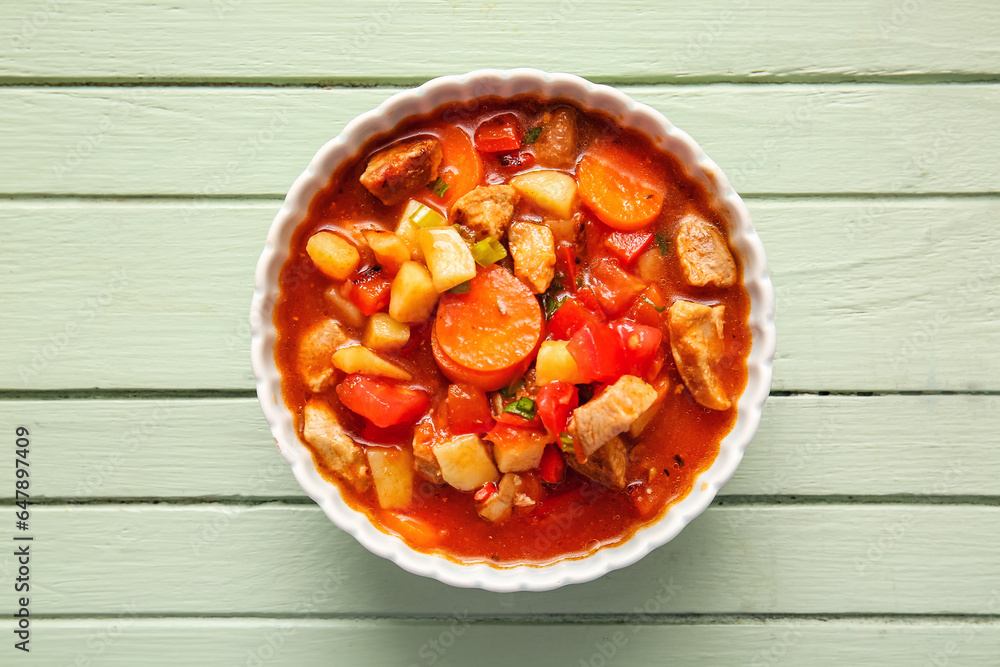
(357, 41)
(769, 139)
(219, 560)
(814, 446)
(872, 293)
(126, 641)
(144, 148)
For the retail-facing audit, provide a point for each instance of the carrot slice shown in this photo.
(619, 188)
(461, 167)
(493, 331)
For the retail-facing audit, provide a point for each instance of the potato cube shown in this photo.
(412, 296)
(554, 362)
(392, 470)
(518, 455)
(389, 249)
(551, 191)
(407, 228)
(384, 334)
(465, 462)
(359, 359)
(448, 257)
(333, 255)
(534, 250)
(344, 308)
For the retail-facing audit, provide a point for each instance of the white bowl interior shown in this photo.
(507, 83)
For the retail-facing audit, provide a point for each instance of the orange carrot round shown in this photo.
(619, 188)
(490, 334)
(461, 167)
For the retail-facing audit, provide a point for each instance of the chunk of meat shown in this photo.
(607, 466)
(487, 210)
(595, 423)
(315, 350)
(697, 343)
(534, 250)
(704, 254)
(334, 447)
(556, 146)
(397, 172)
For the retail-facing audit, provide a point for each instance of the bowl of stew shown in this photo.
(512, 329)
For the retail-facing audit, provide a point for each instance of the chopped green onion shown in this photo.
(556, 283)
(531, 136)
(566, 442)
(425, 216)
(551, 305)
(658, 309)
(461, 288)
(439, 187)
(488, 251)
(523, 407)
(511, 390)
(663, 243)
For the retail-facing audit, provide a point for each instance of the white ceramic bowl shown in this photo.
(506, 83)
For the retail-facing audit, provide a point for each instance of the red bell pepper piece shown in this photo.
(468, 410)
(628, 245)
(382, 401)
(598, 352)
(499, 134)
(556, 400)
(487, 490)
(571, 316)
(371, 292)
(640, 343)
(568, 255)
(553, 466)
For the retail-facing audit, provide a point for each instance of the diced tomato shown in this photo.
(649, 309)
(640, 343)
(556, 400)
(383, 402)
(598, 352)
(499, 134)
(519, 160)
(370, 293)
(487, 490)
(468, 409)
(553, 466)
(614, 287)
(628, 245)
(571, 316)
(507, 436)
(400, 434)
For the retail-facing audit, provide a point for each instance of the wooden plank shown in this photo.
(127, 641)
(222, 560)
(221, 448)
(253, 141)
(156, 294)
(235, 39)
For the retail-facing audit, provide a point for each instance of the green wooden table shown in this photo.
(144, 149)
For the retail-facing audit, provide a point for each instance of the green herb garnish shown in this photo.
(461, 288)
(523, 407)
(658, 309)
(663, 243)
(531, 136)
(439, 187)
(551, 304)
(511, 390)
(566, 443)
